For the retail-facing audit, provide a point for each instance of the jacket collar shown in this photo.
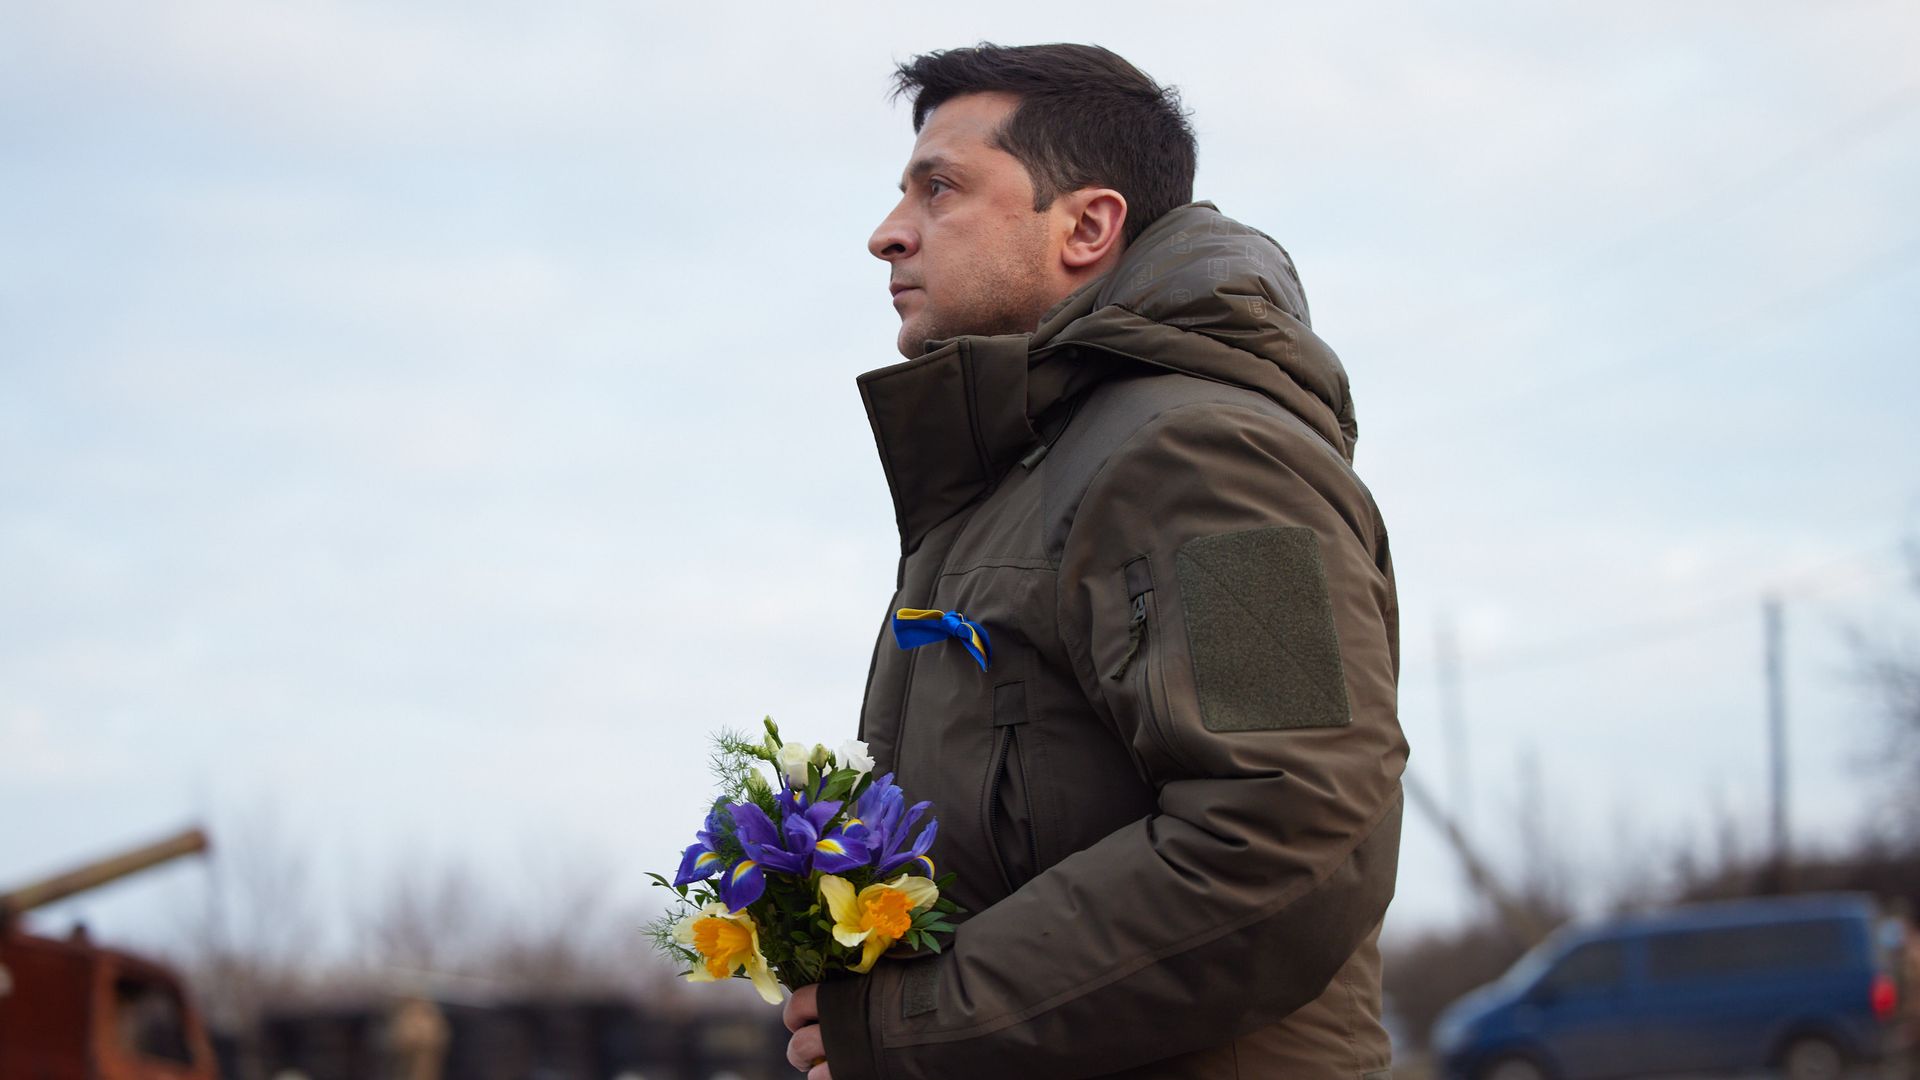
(948, 424)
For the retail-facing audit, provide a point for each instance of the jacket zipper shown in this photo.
(993, 805)
(1138, 658)
(1136, 633)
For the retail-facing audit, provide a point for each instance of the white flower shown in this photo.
(793, 763)
(853, 755)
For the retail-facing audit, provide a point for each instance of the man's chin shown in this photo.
(916, 330)
(913, 338)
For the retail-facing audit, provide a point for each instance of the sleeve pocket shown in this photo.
(1260, 630)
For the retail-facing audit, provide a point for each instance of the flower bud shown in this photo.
(757, 786)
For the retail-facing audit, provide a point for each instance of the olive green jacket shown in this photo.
(1173, 799)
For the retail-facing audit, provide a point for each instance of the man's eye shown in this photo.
(936, 186)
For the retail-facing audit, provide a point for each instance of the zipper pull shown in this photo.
(1136, 632)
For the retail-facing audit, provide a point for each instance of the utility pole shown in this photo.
(1453, 724)
(1777, 735)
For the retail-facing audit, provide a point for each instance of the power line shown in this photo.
(1470, 418)
(1629, 636)
(1616, 639)
(1775, 174)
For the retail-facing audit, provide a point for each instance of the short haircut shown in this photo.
(1086, 118)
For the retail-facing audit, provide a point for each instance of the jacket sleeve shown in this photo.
(1227, 602)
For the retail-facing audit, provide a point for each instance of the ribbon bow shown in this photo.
(914, 627)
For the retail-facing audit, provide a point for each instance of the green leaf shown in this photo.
(838, 784)
(933, 944)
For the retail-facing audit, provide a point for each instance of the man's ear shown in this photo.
(1099, 221)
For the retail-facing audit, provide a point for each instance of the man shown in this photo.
(1169, 784)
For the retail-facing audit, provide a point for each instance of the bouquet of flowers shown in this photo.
(789, 886)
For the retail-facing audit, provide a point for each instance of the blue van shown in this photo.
(1801, 984)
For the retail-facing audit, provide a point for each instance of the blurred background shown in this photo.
(422, 426)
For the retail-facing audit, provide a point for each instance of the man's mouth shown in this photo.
(897, 288)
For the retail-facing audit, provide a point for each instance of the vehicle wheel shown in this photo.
(1811, 1057)
(1512, 1068)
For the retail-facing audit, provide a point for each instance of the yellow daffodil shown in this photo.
(726, 941)
(878, 915)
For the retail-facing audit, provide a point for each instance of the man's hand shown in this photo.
(806, 1051)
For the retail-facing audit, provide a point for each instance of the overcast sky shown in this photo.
(425, 424)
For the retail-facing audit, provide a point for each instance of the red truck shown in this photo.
(72, 1010)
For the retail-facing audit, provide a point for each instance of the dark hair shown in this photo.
(1086, 118)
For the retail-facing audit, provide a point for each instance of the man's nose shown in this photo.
(893, 239)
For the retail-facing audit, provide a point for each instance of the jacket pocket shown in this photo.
(1138, 664)
(1007, 799)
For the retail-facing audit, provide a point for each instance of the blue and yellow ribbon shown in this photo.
(914, 627)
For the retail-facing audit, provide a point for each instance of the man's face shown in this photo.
(969, 253)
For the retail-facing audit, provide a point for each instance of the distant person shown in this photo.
(416, 1038)
(1170, 784)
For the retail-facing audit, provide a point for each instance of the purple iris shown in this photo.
(744, 881)
(801, 843)
(742, 884)
(703, 859)
(787, 848)
(833, 852)
(775, 846)
(843, 849)
(884, 814)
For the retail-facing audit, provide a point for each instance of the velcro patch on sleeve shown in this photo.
(1260, 626)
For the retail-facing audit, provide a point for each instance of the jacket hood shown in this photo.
(1199, 292)
(1196, 292)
